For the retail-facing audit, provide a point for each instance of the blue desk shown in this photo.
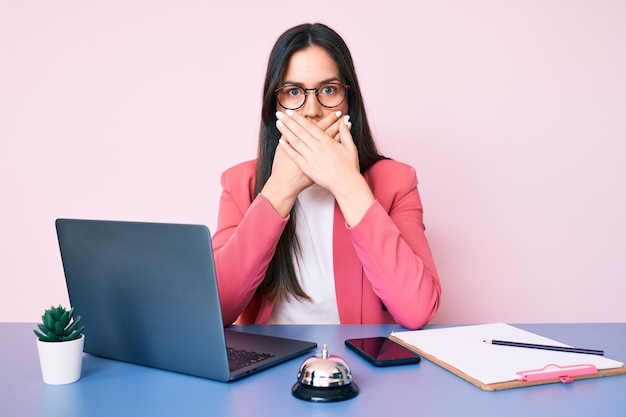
(110, 388)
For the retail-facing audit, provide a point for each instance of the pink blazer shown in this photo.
(384, 270)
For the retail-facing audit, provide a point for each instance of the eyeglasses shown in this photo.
(292, 97)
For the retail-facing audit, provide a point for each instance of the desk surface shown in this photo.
(112, 388)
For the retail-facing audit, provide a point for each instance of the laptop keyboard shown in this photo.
(239, 358)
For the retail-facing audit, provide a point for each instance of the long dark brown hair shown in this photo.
(280, 279)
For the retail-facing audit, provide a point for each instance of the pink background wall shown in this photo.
(513, 113)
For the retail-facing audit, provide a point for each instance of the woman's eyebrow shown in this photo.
(329, 80)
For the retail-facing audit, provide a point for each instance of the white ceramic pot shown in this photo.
(61, 362)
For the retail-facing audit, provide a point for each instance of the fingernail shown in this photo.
(338, 113)
(282, 142)
(280, 115)
(346, 120)
(279, 123)
(289, 112)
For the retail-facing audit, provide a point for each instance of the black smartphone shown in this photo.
(381, 351)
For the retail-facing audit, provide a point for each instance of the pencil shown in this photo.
(545, 347)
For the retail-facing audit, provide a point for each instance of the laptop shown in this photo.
(147, 294)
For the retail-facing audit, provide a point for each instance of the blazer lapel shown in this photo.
(348, 272)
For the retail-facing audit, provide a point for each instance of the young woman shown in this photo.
(321, 228)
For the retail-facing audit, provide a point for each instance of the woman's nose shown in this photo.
(311, 107)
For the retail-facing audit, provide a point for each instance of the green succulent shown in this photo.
(56, 326)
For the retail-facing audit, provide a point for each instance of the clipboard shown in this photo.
(462, 351)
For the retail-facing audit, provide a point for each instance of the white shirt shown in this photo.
(314, 228)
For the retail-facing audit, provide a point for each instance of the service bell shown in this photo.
(324, 378)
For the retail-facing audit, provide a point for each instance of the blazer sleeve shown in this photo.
(391, 243)
(244, 242)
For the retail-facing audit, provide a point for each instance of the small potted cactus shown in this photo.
(60, 346)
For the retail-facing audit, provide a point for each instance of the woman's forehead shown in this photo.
(311, 66)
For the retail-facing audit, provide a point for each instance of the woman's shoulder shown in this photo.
(240, 171)
(239, 180)
(390, 181)
(389, 168)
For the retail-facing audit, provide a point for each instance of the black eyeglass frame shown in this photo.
(345, 87)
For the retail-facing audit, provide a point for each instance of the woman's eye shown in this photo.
(293, 92)
(329, 90)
